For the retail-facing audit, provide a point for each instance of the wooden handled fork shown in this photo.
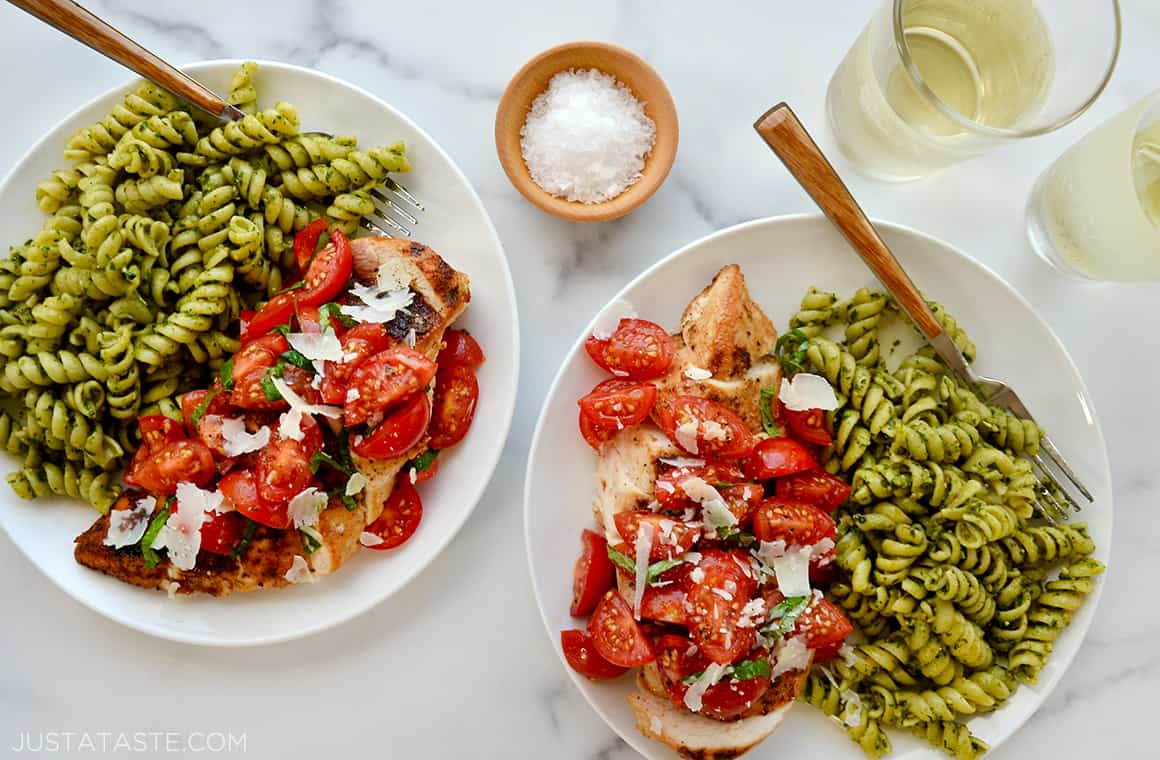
(784, 133)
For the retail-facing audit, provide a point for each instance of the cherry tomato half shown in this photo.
(617, 404)
(385, 379)
(594, 436)
(193, 400)
(809, 426)
(460, 348)
(616, 634)
(184, 461)
(637, 349)
(796, 523)
(306, 241)
(678, 658)
(398, 432)
(671, 538)
(329, 271)
(716, 602)
(817, 487)
(823, 624)
(456, 395)
(400, 517)
(283, 470)
(592, 575)
(221, 532)
(240, 489)
(580, 652)
(719, 432)
(778, 457)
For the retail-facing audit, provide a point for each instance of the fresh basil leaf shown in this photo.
(297, 359)
(244, 541)
(310, 542)
(657, 569)
(790, 351)
(321, 458)
(765, 406)
(423, 461)
(742, 538)
(296, 286)
(227, 375)
(199, 412)
(621, 560)
(750, 669)
(784, 616)
(268, 387)
(342, 450)
(723, 484)
(155, 525)
(329, 313)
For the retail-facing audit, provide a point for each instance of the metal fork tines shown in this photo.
(393, 212)
(1055, 501)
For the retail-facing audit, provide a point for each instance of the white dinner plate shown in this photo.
(456, 225)
(781, 258)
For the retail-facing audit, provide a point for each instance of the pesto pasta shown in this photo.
(958, 590)
(160, 232)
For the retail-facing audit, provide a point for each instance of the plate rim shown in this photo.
(491, 459)
(639, 741)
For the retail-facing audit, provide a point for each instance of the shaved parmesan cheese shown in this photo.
(697, 575)
(713, 506)
(680, 462)
(127, 526)
(821, 550)
(299, 571)
(306, 506)
(382, 304)
(413, 476)
(852, 714)
(393, 274)
(793, 572)
(317, 347)
(352, 394)
(290, 423)
(171, 588)
(370, 539)
(656, 725)
(357, 483)
(752, 613)
(609, 319)
(411, 338)
(846, 652)
(792, 654)
(236, 441)
(698, 374)
(710, 676)
(687, 436)
(180, 536)
(666, 486)
(807, 391)
(644, 543)
(713, 431)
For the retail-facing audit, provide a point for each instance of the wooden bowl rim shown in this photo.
(629, 69)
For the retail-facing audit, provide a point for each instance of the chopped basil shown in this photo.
(322, 458)
(199, 412)
(297, 359)
(310, 542)
(340, 493)
(329, 313)
(283, 329)
(244, 541)
(790, 351)
(155, 525)
(723, 484)
(621, 560)
(296, 286)
(741, 671)
(749, 669)
(784, 616)
(765, 406)
(735, 535)
(423, 461)
(227, 375)
(268, 387)
(342, 451)
(655, 570)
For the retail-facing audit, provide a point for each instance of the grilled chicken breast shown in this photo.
(441, 295)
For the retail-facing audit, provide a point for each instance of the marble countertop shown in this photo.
(458, 663)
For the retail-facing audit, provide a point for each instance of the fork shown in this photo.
(85, 27)
(784, 133)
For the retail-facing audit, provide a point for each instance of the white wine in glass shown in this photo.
(932, 82)
(1095, 212)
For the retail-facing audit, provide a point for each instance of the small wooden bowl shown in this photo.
(628, 68)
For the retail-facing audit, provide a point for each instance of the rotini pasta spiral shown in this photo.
(250, 133)
(242, 93)
(102, 137)
(97, 487)
(815, 314)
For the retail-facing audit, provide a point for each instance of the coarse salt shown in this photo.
(586, 137)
